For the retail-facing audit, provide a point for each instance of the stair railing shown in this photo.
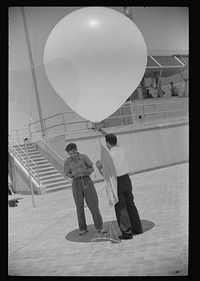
(22, 160)
(56, 155)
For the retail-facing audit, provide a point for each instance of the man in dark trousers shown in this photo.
(78, 167)
(126, 212)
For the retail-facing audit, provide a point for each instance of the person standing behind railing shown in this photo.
(147, 94)
(174, 91)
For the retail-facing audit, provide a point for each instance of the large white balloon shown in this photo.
(95, 58)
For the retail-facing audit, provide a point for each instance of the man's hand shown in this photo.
(77, 172)
(80, 172)
(111, 204)
(98, 165)
(97, 126)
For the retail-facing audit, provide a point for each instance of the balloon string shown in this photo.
(98, 135)
(84, 183)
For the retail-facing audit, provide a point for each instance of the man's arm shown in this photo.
(99, 128)
(104, 133)
(99, 167)
(84, 172)
(88, 170)
(66, 171)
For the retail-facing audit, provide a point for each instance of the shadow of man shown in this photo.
(88, 236)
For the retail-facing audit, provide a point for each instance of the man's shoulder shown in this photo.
(86, 159)
(67, 160)
(116, 150)
(120, 150)
(83, 156)
(120, 147)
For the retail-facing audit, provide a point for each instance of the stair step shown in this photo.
(47, 169)
(55, 180)
(31, 149)
(44, 165)
(21, 152)
(57, 177)
(32, 165)
(47, 173)
(40, 167)
(39, 156)
(42, 170)
(50, 176)
(28, 144)
(34, 153)
(23, 146)
(40, 161)
(62, 187)
(64, 182)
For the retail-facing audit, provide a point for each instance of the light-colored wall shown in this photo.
(165, 30)
(147, 147)
(22, 182)
(20, 179)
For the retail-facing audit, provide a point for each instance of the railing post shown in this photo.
(14, 175)
(121, 117)
(17, 136)
(38, 177)
(86, 122)
(145, 114)
(29, 129)
(44, 132)
(29, 172)
(63, 117)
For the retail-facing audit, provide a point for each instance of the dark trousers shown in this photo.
(84, 188)
(126, 212)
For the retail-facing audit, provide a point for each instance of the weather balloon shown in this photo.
(95, 58)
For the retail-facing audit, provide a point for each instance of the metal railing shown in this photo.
(145, 117)
(13, 146)
(32, 134)
(132, 113)
(62, 123)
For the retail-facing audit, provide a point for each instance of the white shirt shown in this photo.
(120, 160)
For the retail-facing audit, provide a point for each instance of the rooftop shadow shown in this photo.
(108, 225)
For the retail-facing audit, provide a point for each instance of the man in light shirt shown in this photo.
(126, 212)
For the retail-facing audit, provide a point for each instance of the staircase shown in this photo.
(49, 176)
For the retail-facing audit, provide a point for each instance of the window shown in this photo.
(165, 77)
